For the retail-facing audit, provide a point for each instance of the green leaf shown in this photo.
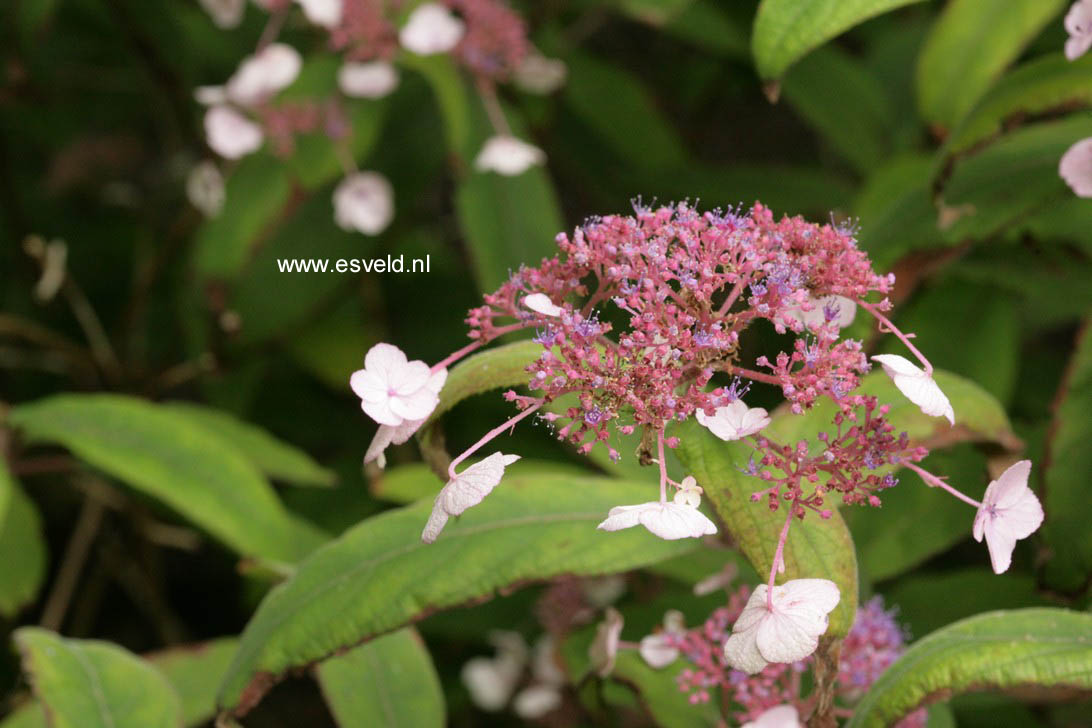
(845, 103)
(170, 458)
(1046, 649)
(659, 692)
(256, 193)
(387, 683)
(785, 30)
(653, 12)
(896, 210)
(969, 47)
(378, 576)
(1038, 87)
(333, 346)
(501, 366)
(92, 684)
(705, 24)
(815, 548)
(1065, 474)
(275, 458)
(451, 94)
(630, 124)
(22, 547)
(195, 671)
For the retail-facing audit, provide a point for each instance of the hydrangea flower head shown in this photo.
(364, 202)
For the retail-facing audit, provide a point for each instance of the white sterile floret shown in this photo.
(326, 13)
(689, 493)
(491, 681)
(604, 648)
(393, 389)
(205, 188)
(1010, 511)
(372, 80)
(535, 701)
(734, 421)
(541, 303)
(508, 156)
(669, 521)
(789, 632)
(1075, 167)
(431, 28)
(364, 202)
(1078, 23)
(467, 489)
(843, 310)
(210, 95)
(657, 649)
(225, 14)
(230, 134)
(538, 74)
(782, 716)
(918, 386)
(263, 74)
(388, 435)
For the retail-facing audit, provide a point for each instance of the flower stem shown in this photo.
(935, 482)
(507, 425)
(663, 466)
(778, 555)
(891, 328)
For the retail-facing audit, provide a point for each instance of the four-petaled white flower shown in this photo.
(230, 134)
(431, 28)
(789, 632)
(263, 74)
(465, 490)
(364, 201)
(782, 716)
(393, 389)
(538, 74)
(734, 421)
(1078, 23)
(388, 435)
(225, 13)
(508, 156)
(326, 13)
(604, 648)
(541, 303)
(669, 521)
(918, 386)
(1075, 167)
(205, 188)
(1009, 512)
(689, 493)
(372, 80)
(843, 309)
(656, 649)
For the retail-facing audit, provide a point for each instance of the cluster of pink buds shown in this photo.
(874, 642)
(485, 37)
(641, 320)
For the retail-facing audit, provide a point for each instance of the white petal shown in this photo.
(364, 202)
(538, 74)
(656, 651)
(225, 13)
(210, 95)
(541, 303)
(894, 365)
(230, 134)
(436, 522)
(781, 638)
(508, 156)
(489, 686)
(536, 701)
(669, 521)
(917, 386)
(265, 73)
(1000, 544)
(470, 487)
(734, 421)
(783, 716)
(543, 665)
(372, 80)
(742, 653)
(205, 188)
(605, 646)
(431, 28)
(820, 594)
(1075, 166)
(383, 359)
(326, 13)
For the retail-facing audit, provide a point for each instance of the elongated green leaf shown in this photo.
(845, 103)
(659, 691)
(654, 12)
(631, 124)
(1047, 649)
(785, 30)
(169, 457)
(1037, 87)
(502, 366)
(1066, 469)
(273, 457)
(379, 576)
(92, 684)
(22, 548)
(386, 683)
(896, 210)
(452, 97)
(816, 548)
(706, 24)
(256, 192)
(969, 47)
